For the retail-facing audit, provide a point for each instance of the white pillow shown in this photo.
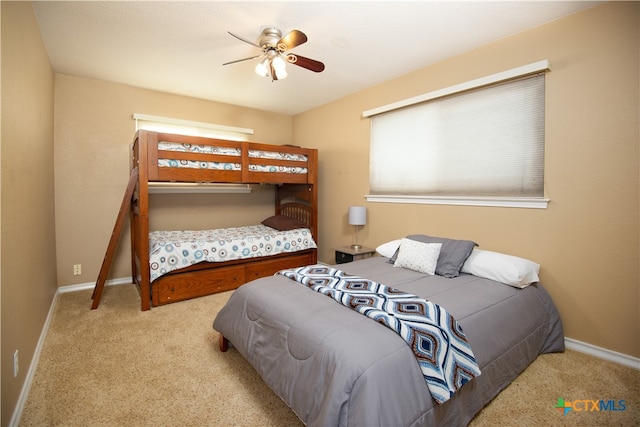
(389, 248)
(507, 269)
(418, 256)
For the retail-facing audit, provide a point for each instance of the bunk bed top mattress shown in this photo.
(334, 366)
(172, 250)
(234, 158)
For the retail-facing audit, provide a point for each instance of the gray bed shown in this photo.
(336, 367)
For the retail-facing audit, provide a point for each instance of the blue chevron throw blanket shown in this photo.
(437, 340)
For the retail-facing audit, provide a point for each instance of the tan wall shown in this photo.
(587, 240)
(28, 247)
(93, 133)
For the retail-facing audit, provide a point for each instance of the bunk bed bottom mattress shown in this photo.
(172, 250)
(334, 366)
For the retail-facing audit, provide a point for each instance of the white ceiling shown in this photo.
(179, 46)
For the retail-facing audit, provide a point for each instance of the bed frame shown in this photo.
(296, 196)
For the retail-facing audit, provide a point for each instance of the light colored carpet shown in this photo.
(118, 366)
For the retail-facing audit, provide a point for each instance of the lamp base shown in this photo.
(356, 247)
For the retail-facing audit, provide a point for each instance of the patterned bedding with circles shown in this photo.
(172, 250)
(234, 158)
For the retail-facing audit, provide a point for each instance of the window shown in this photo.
(191, 128)
(480, 143)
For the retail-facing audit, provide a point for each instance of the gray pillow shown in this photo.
(452, 255)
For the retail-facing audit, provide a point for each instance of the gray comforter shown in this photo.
(336, 367)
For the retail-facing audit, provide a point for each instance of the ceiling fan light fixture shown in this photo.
(281, 74)
(278, 63)
(262, 69)
(279, 67)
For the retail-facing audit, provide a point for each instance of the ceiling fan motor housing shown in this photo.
(270, 37)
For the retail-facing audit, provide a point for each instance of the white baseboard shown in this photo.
(602, 353)
(24, 393)
(91, 285)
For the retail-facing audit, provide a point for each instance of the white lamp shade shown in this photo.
(357, 215)
(262, 69)
(278, 63)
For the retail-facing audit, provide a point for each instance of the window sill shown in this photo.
(504, 202)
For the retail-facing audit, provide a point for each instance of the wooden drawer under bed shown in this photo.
(193, 284)
(270, 267)
(198, 282)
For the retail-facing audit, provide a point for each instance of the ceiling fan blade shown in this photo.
(240, 60)
(309, 64)
(291, 40)
(245, 40)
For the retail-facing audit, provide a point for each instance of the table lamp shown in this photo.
(357, 216)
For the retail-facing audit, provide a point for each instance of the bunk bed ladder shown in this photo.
(115, 237)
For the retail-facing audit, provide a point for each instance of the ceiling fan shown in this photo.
(275, 53)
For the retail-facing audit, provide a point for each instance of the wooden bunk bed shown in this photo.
(167, 158)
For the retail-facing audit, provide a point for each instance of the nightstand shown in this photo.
(347, 254)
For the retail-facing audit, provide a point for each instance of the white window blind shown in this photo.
(191, 128)
(480, 144)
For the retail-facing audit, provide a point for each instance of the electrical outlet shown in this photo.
(77, 269)
(15, 363)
